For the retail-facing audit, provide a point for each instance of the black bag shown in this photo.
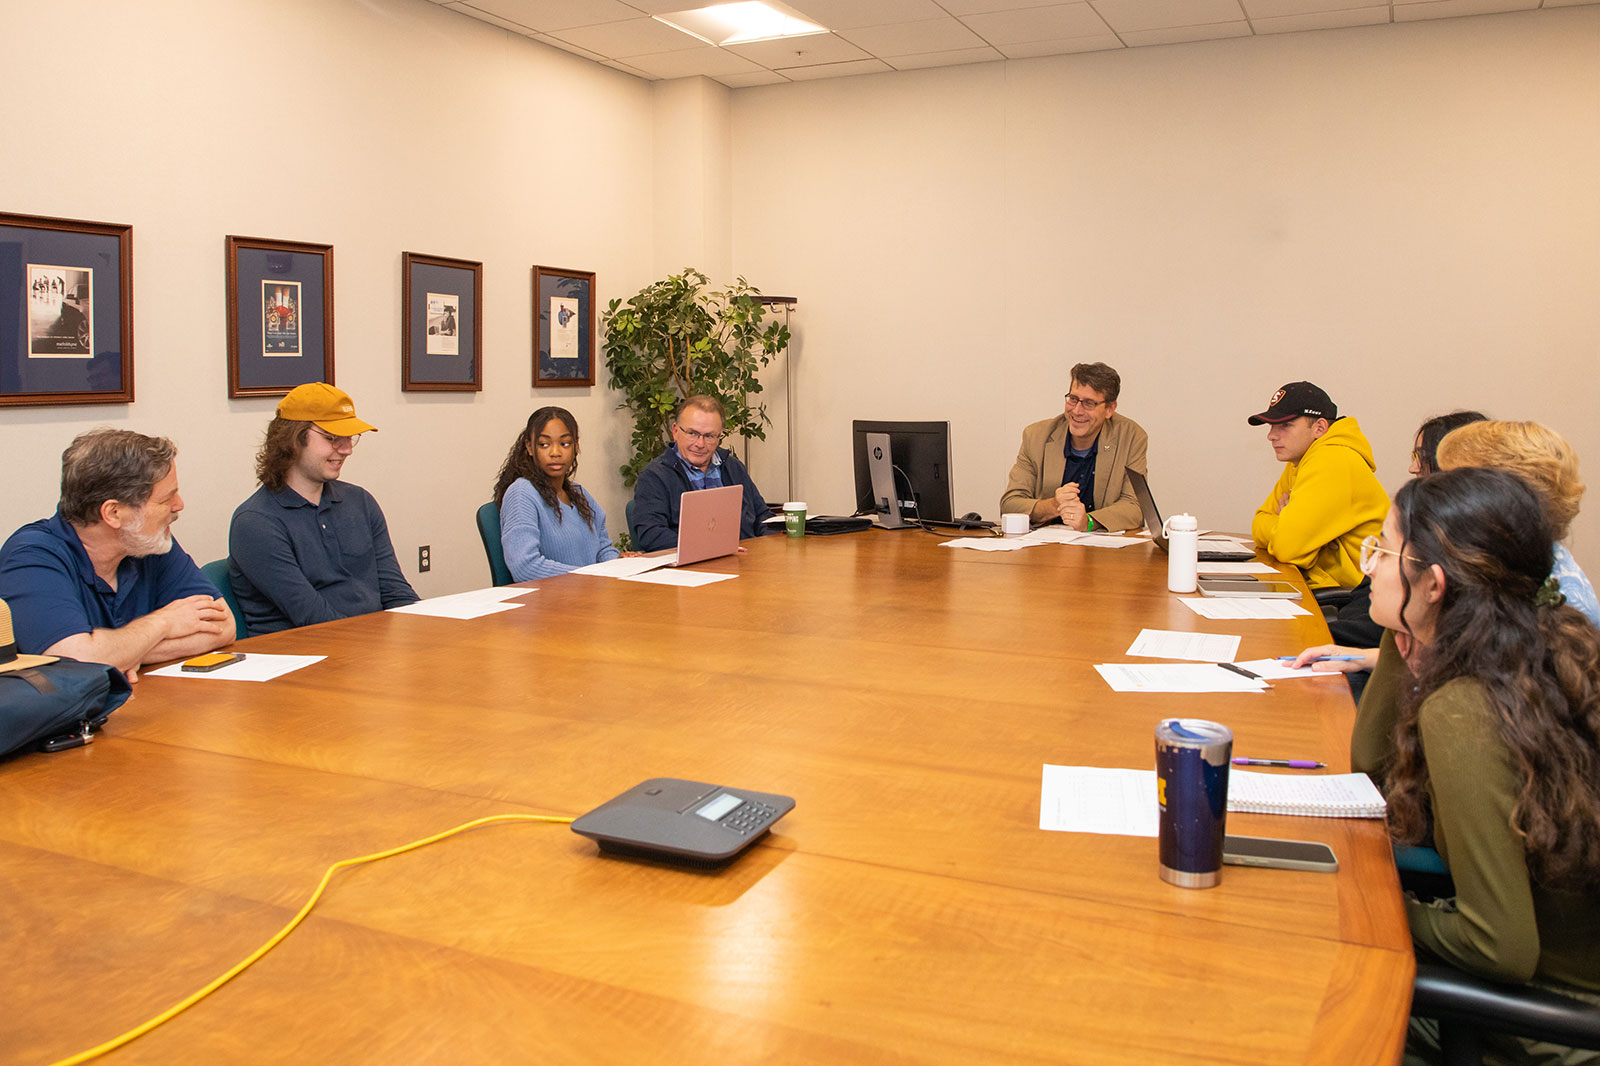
(62, 699)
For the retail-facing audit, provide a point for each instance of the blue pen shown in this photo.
(1293, 764)
(1326, 659)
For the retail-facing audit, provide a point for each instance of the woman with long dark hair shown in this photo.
(548, 523)
(1496, 745)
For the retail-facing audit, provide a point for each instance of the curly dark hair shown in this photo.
(1537, 666)
(282, 445)
(521, 463)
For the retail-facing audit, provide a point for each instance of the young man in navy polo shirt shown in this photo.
(103, 580)
(307, 547)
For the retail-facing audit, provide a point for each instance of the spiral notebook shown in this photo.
(1318, 796)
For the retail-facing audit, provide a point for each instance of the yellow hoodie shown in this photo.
(1335, 501)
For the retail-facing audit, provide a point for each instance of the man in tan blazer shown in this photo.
(1074, 467)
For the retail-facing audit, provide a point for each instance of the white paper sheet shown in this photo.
(683, 578)
(1235, 568)
(1176, 677)
(463, 605)
(1197, 647)
(255, 667)
(1092, 799)
(989, 544)
(1276, 670)
(1218, 542)
(1063, 535)
(1229, 607)
(625, 567)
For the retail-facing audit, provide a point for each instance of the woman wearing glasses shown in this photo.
(548, 523)
(1496, 743)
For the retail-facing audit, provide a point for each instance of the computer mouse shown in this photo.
(972, 516)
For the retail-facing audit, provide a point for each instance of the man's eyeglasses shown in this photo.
(338, 442)
(1371, 548)
(1079, 401)
(698, 437)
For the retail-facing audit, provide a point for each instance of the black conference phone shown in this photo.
(685, 822)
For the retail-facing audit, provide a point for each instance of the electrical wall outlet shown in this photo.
(424, 559)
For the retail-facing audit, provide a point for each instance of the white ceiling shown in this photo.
(871, 36)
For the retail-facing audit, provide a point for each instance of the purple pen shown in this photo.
(1293, 764)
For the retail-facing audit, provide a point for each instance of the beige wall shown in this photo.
(401, 127)
(1406, 214)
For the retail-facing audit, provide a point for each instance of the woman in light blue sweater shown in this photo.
(548, 523)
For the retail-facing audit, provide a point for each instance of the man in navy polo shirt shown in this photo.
(103, 580)
(307, 547)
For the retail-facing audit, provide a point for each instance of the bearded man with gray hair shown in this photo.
(103, 580)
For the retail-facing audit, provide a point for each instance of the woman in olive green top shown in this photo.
(1497, 744)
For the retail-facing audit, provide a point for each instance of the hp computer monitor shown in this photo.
(920, 455)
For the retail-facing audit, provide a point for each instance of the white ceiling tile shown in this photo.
(1098, 42)
(556, 42)
(493, 20)
(745, 81)
(1056, 22)
(835, 70)
(1269, 9)
(662, 7)
(913, 38)
(973, 7)
(712, 62)
(814, 50)
(1449, 9)
(1323, 20)
(1180, 34)
(1123, 15)
(955, 57)
(633, 37)
(848, 14)
(558, 14)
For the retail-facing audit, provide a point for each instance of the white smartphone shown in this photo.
(1279, 854)
(1252, 589)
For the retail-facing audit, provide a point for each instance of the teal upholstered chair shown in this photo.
(633, 537)
(217, 572)
(489, 530)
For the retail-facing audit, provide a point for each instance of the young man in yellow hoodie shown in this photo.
(1327, 500)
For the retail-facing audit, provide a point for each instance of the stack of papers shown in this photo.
(474, 604)
(1063, 535)
(624, 567)
(1176, 677)
(255, 666)
(990, 544)
(1171, 644)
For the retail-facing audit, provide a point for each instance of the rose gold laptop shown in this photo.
(708, 524)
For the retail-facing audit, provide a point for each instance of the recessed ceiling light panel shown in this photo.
(741, 23)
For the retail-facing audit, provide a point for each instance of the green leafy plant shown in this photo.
(673, 340)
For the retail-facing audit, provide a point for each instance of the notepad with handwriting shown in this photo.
(1316, 796)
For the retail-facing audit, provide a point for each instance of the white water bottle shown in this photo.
(1183, 552)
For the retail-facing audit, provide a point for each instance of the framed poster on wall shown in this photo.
(280, 315)
(441, 324)
(66, 311)
(563, 326)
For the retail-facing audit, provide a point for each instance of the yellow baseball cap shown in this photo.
(329, 408)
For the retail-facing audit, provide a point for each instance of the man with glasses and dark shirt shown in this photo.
(1074, 467)
(307, 547)
(692, 462)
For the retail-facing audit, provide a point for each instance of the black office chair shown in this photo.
(1468, 1007)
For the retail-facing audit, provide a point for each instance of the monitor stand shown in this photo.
(885, 498)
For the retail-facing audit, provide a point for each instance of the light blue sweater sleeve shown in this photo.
(538, 544)
(1575, 584)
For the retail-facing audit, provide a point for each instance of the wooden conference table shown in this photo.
(908, 910)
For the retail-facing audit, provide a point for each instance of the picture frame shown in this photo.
(563, 326)
(441, 324)
(280, 315)
(66, 311)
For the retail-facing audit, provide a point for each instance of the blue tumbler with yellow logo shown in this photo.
(1192, 759)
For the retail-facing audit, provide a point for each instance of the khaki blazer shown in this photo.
(1041, 463)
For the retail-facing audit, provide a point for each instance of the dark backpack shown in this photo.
(39, 704)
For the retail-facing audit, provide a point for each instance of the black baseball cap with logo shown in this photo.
(1294, 400)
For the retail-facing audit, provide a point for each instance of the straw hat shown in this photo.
(9, 659)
